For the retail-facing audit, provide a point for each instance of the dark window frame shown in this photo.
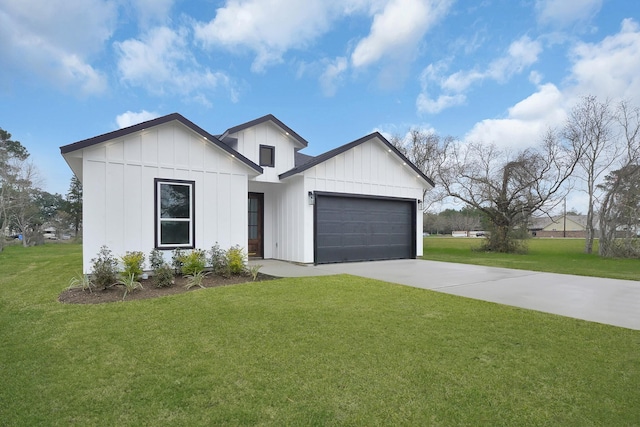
(157, 220)
(272, 151)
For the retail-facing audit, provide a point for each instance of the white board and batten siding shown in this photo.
(266, 133)
(368, 169)
(118, 183)
(284, 208)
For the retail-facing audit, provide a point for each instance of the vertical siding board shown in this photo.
(165, 148)
(133, 149)
(132, 220)
(115, 151)
(94, 210)
(115, 195)
(149, 146)
(209, 215)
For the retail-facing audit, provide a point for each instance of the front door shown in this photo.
(255, 246)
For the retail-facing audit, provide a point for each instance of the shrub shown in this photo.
(132, 262)
(253, 270)
(195, 279)
(218, 261)
(163, 276)
(193, 262)
(104, 268)
(236, 260)
(176, 260)
(156, 260)
(130, 284)
(81, 281)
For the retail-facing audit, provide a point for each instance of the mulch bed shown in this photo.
(115, 293)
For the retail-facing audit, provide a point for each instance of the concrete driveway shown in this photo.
(608, 301)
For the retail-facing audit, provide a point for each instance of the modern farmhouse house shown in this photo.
(167, 183)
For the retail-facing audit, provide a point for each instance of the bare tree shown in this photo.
(589, 129)
(506, 187)
(425, 150)
(620, 208)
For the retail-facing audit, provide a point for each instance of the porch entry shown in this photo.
(255, 245)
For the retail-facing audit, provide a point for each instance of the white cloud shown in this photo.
(332, 75)
(521, 54)
(562, 13)
(131, 118)
(56, 39)
(442, 102)
(526, 121)
(608, 69)
(397, 29)
(268, 28)
(161, 63)
(152, 11)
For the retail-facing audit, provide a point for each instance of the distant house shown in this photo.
(50, 233)
(167, 183)
(556, 226)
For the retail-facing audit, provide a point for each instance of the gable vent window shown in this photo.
(174, 214)
(267, 155)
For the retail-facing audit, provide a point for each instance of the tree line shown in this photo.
(24, 207)
(598, 146)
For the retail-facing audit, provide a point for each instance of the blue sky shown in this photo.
(497, 71)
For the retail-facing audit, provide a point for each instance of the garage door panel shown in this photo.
(361, 229)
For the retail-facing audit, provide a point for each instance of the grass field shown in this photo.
(552, 255)
(334, 350)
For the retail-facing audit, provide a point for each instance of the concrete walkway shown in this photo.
(608, 301)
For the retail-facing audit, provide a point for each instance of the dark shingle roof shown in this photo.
(268, 117)
(300, 158)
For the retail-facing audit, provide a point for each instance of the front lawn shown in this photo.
(336, 350)
(551, 255)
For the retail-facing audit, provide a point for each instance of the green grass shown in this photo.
(335, 350)
(551, 255)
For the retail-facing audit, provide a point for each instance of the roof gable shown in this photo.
(157, 122)
(269, 117)
(336, 151)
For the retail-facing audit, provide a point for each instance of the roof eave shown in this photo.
(269, 117)
(339, 150)
(65, 149)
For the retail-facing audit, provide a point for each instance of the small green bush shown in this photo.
(132, 262)
(156, 260)
(176, 260)
(218, 261)
(81, 281)
(253, 270)
(193, 262)
(104, 269)
(130, 284)
(237, 260)
(163, 276)
(195, 279)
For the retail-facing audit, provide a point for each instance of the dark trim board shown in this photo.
(355, 227)
(156, 214)
(336, 151)
(258, 242)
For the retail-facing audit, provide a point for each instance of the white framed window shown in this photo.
(174, 214)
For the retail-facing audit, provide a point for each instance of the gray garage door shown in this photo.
(363, 229)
